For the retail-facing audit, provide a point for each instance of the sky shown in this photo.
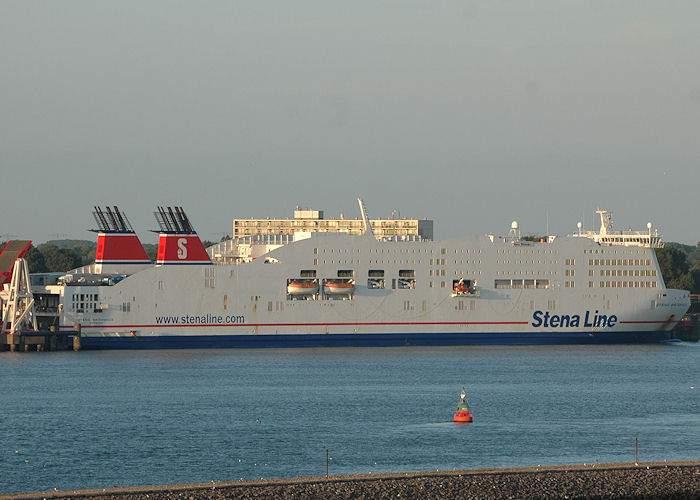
(472, 113)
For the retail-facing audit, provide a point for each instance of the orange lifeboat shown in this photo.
(301, 288)
(463, 413)
(338, 288)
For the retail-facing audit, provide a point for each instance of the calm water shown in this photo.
(99, 419)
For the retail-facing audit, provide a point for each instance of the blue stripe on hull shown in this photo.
(369, 340)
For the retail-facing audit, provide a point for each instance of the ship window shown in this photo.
(407, 273)
(375, 283)
(345, 273)
(502, 284)
(209, 277)
(307, 273)
(407, 283)
(376, 273)
(542, 284)
(517, 284)
(393, 284)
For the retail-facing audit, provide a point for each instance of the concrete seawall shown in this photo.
(648, 480)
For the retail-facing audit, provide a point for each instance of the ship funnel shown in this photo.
(178, 243)
(118, 248)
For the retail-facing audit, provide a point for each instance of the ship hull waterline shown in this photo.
(371, 340)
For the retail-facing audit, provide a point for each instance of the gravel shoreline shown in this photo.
(643, 481)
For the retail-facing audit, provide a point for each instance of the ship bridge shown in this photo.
(607, 236)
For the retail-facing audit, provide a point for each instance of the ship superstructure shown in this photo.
(337, 289)
(607, 236)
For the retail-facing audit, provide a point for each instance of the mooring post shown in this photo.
(76, 338)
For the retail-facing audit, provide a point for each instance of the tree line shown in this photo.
(680, 266)
(679, 263)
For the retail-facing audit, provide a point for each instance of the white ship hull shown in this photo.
(570, 290)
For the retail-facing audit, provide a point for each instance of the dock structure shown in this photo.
(41, 340)
(18, 328)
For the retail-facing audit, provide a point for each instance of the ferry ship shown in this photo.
(325, 289)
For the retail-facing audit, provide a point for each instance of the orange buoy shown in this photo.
(463, 413)
(463, 416)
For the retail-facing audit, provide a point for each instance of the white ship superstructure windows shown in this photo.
(85, 302)
(375, 279)
(625, 268)
(521, 283)
(628, 284)
(209, 277)
(407, 279)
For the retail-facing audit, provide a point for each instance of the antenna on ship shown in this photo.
(365, 220)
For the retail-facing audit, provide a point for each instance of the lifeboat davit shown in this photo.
(463, 413)
(337, 288)
(301, 288)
